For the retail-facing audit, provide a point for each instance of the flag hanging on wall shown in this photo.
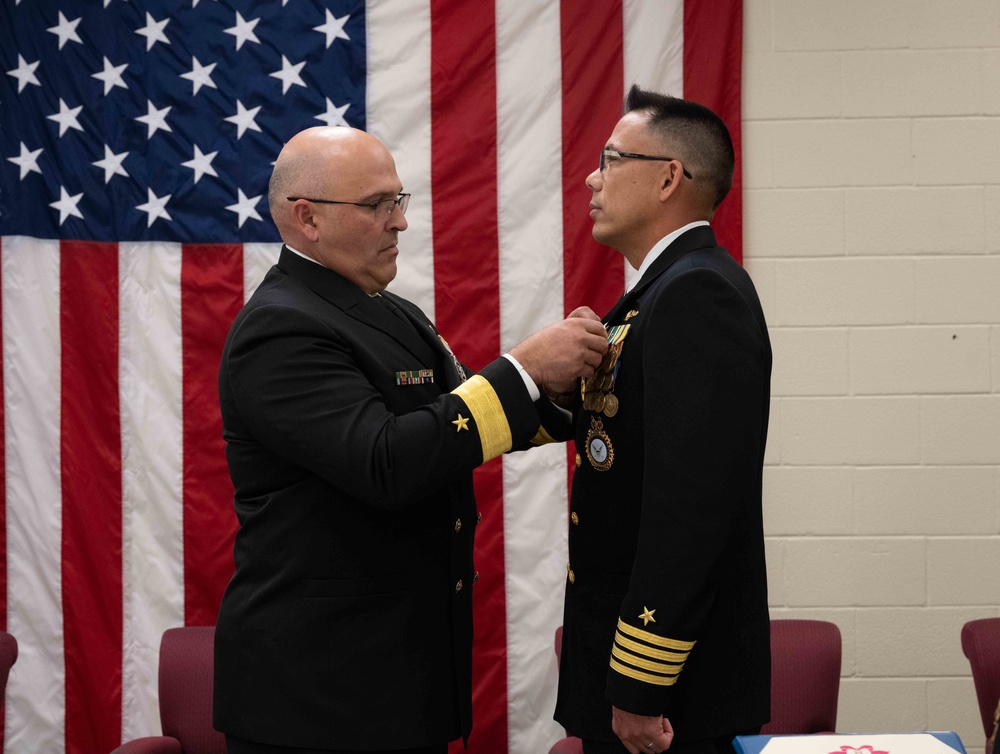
(136, 141)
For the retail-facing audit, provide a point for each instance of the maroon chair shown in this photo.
(805, 676)
(981, 644)
(185, 687)
(805, 680)
(8, 656)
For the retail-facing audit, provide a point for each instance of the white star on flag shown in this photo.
(67, 205)
(243, 31)
(200, 75)
(201, 164)
(334, 116)
(153, 31)
(24, 73)
(111, 76)
(111, 164)
(27, 161)
(155, 207)
(66, 30)
(155, 119)
(333, 28)
(245, 207)
(66, 117)
(244, 119)
(289, 74)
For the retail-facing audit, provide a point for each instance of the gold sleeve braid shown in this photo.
(642, 662)
(487, 413)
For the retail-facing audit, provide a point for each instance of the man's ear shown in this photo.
(304, 218)
(669, 179)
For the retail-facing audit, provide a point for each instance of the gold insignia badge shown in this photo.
(631, 314)
(600, 453)
(647, 616)
(462, 423)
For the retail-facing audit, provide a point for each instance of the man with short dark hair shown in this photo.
(351, 436)
(666, 631)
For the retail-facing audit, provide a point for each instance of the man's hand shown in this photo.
(561, 353)
(641, 734)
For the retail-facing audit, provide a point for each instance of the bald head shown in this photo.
(322, 162)
(334, 174)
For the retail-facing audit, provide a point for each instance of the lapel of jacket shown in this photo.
(354, 302)
(701, 237)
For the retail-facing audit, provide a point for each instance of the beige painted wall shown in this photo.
(872, 230)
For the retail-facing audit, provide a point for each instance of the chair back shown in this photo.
(186, 685)
(981, 644)
(8, 656)
(805, 676)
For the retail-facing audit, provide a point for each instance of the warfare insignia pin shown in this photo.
(631, 314)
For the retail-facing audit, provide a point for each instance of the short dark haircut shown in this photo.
(699, 132)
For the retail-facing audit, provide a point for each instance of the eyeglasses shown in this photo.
(382, 209)
(614, 154)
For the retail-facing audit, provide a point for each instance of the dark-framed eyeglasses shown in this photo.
(382, 209)
(608, 155)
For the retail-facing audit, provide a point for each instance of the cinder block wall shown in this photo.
(872, 229)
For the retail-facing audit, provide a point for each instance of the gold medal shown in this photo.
(610, 405)
(599, 400)
(599, 451)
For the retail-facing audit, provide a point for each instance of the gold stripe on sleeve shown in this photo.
(656, 667)
(660, 641)
(487, 412)
(657, 654)
(638, 675)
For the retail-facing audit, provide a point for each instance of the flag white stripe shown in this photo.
(258, 258)
(654, 45)
(150, 383)
(529, 186)
(653, 52)
(399, 114)
(36, 699)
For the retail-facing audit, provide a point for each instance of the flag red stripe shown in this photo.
(592, 51)
(91, 473)
(211, 296)
(713, 58)
(467, 298)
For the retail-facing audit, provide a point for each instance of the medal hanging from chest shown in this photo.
(600, 452)
(599, 398)
(597, 393)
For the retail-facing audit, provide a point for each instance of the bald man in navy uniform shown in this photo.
(352, 433)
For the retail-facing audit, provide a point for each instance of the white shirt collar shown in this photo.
(658, 249)
(299, 253)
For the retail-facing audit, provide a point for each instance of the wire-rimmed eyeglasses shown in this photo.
(614, 154)
(382, 209)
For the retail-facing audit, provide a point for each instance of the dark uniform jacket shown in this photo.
(666, 598)
(351, 440)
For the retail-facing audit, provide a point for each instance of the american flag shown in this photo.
(136, 140)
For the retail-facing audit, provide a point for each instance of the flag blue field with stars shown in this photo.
(129, 121)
